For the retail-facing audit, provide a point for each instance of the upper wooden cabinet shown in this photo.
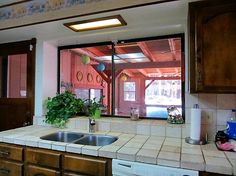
(212, 29)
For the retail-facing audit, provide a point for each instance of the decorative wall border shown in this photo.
(40, 11)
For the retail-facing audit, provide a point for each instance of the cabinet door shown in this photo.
(8, 168)
(40, 171)
(42, 157)
(85, 165)
(212, 46)
(11, 152)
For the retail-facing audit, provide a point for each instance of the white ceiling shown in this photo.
(146, 21)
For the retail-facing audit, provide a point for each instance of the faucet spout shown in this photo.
(92, 125)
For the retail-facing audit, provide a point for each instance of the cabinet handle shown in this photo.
(125, 165)
(40, 174)
(4, 153)
(4, 171)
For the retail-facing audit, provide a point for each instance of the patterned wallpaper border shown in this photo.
(40, 6)
(41, 11)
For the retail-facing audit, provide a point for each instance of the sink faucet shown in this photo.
(91, 125)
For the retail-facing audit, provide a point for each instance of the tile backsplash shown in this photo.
(216, 110)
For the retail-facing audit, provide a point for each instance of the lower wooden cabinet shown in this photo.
(42, 162)
(40, 171)
(87, 165)
(26, 161)
(44, 158)
(12, 152)
(10, 168)
(11, 160)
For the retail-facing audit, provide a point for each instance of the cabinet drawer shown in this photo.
(11, 152)
(85, 165)
(42, 157)
(8, 168)
(40, 171)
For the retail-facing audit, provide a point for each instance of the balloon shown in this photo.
(124, 77)
(101, 67)
(85, 59)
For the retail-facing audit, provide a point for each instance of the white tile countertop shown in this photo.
(166, 151)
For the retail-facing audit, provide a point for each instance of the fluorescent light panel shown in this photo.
(98, 23)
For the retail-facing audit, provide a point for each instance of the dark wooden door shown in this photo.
(212, 46)
(17, 68)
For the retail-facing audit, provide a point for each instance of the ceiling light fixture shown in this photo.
(98, 23)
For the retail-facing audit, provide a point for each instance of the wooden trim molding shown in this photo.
(89, 77)
(79, 76)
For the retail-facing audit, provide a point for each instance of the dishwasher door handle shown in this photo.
(124, 165)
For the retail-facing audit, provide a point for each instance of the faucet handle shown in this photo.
(91, 125)
(92, 121)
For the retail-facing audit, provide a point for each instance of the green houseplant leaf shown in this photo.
(93, 107)
(62, 107)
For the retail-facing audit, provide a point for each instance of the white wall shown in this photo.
(46, 75)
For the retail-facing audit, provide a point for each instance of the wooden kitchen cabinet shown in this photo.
(11, 160)
(41, 157)
(75, 165)
(10, 168)
(41, 162)
(11, 152)
(32, 170)
(212, 36)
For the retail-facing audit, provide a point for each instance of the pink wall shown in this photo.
(124, 107)
(80, 75)
(17, 71)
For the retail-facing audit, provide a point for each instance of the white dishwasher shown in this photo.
(128, 168)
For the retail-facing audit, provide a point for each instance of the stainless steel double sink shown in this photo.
(80, 138)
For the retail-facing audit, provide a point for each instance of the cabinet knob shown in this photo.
(4, 153)
(40, 174)
(4, 171)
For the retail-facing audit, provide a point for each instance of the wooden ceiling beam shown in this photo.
(172, 48)
(121, 51)
(95, 51)
(146, 51)
(84, 52)
(143, 72)
(164, 78)
(167, 64)
(129, 73)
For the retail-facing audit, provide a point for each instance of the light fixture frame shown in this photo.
(119, 17)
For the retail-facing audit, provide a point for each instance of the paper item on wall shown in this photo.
(23, 93)
(195, 128)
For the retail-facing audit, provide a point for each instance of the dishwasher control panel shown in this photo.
(128, 168)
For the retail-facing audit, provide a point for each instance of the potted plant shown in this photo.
(62, 107)
(94, 108)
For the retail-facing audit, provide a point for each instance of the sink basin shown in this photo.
(63, 136)
(96, 140)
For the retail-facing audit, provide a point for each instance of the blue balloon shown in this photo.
(101, 67)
